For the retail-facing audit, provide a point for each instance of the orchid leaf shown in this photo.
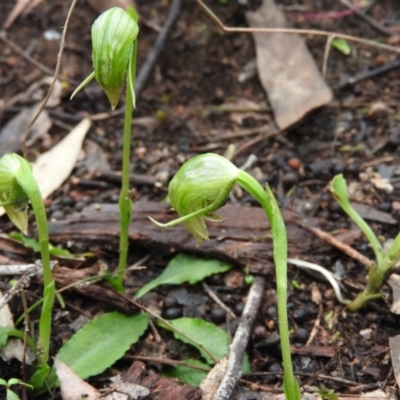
(183, 268)
(101, 342)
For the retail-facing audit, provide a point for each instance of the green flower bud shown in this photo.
(12, 196)
(114, 36)
(200, 187)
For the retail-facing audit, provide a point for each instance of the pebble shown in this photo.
(271, 311)
(300, 314)
(294, 163)
(260, 332)
(239, 307)
(172, 313)
(289, 179)
(170, 301)
(302, 335)
(274, 367)
(217, 315)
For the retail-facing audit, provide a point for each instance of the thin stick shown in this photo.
(315, 32)
(56, 73)
(354, 254)
(4, 37)
(240, 340)
(158, 46)
(373, 22)
(326, 55)
(218, 301)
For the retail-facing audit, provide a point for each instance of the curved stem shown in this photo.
(270, 206)
(31, 188)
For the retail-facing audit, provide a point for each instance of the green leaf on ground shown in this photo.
(184, 268)
(191, 376)
(342, 46)
(204, 335)
(101, 342)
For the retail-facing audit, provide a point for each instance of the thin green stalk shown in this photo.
(270, 206)
(125, 202)
(31, 188)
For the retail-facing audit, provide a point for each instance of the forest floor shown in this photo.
(194, 102)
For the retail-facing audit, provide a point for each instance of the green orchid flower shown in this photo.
(12, 196)
(199, 188)
(202, 186)
(114, 43)
(18, 187)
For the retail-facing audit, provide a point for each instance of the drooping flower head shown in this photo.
(12, 197)
(200, 187)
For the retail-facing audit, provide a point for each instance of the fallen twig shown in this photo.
(354, 254)
(158, 45)
(240, 340)
(315, 32)
(218, 301)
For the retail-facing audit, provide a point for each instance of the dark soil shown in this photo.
(178, 116)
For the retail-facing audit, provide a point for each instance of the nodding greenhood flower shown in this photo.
(12, 196)
(202, 186)
(114, 36)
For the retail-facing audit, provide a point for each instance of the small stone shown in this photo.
(260, 332)
(274, 367)
(302, 335)
(289, 179)
(217, 315)
(299, 314)
(172, 313)
(294, 163)
(170, 301)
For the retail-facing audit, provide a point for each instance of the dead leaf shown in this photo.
(394, 345)
(103, 5)
(372, 214)
(126, 390)
(286, 69)
(394, 282)
(211, 383)
(52, 168)
(12, 134)
(72, 387)
(374, 395)
(14, 347)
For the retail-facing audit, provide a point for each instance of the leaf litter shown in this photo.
(309, 149)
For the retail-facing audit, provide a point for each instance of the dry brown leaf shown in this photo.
(394, 345)
(286, 69)
(394, 282)
(53, 167)
(210, 384)
(72, 387)
(12, 134)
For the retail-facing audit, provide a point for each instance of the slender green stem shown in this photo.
(48, 282)
(30, 187)
(270, 206)
(125, 203)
